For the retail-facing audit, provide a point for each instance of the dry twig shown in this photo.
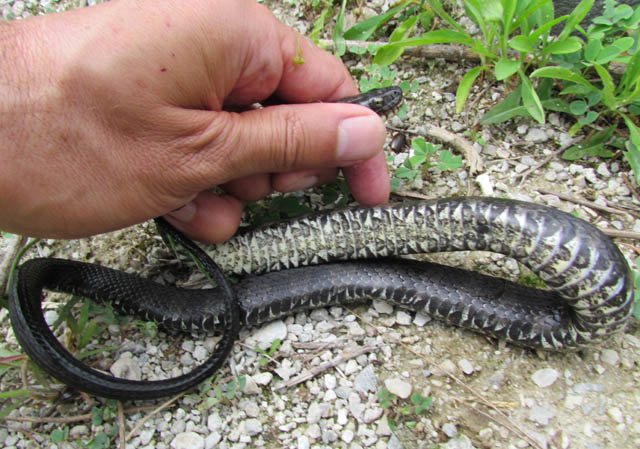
(325, 366)
(449, 52)
(616, 233)
(630, 186)
(121, 435)
(587, 203)
(546, 160)
(147, 417)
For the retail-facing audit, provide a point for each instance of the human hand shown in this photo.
(116, 116)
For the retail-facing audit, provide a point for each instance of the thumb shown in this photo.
(283, 138)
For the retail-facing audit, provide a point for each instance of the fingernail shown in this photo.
(184, 213)
(360, 138)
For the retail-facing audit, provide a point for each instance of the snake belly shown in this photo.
(591, 294)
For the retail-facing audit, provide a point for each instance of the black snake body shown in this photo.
(343, 256)
(591, 293)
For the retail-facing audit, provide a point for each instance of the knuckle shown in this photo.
(291, 153)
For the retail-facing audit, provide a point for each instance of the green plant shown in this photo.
(586, 78)
(415, 166)
(403, 412)
(520, 25)
(636, 292)
(268, 354)
(219, 393)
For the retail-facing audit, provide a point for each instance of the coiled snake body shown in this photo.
(591, 293)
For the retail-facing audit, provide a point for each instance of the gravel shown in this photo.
(587, 399)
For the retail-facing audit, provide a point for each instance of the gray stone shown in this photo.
(262, 378)
(126, 368)
(421, 318)
(541, 415)
(399, 387)
(545, 377)
(250, 408)
(459, 442)
(465, 366)
(372, 414)
(315, 412)
(303, 442)
(79, 431)
(394, 443)
(270, 332)
(366, 380)
(382, 306)
(347, 436)
(403, 318)
(610, 357)
(252, 427)
(188, 440)
(449, 429)
(146, 435)
(582, 388)
(251, 386)
(212, 440)
(536, 135)
(329, 436)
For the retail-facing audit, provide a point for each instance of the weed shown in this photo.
(268, 354)
(636, 283)
(415, 166)
(401, 412)
(220, 394)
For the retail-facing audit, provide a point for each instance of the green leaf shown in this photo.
(436, 6)
(610, 52)
(570, 45)
(403, 30)
(593, 147)
(505, 68)
(563, 74)
(449, 161)
(523, 44)
(508, 10)
(465, 87)
(578, 107)
(385, 54)
(57, 436)
(362, 31)
(504, 110)
(537, 10)
(634, 133)
(424, 148)
(530, 100)
(633, 157)
(589, 118)
(608, 87)
(338, 32)
(576, 16)
(592, 49)
(403, 172)
(593, 98)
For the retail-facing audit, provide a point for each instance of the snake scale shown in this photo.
(345, 256)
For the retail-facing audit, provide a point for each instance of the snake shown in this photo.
(347, 256)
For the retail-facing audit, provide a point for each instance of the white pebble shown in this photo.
(382, 306)
(398, 387)
(610, 357)
(545, 377)
(187, 440)
(403, 318)
(465, 366)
